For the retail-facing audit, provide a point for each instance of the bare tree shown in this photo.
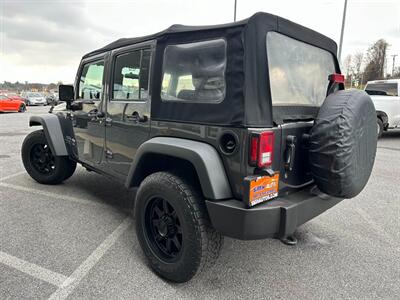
(347, 67)
(357, 62)
(375, 60)
(347, 64)
(396, 73)
(356, 66)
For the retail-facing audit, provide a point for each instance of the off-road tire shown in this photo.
(63, 166)
(22, 108)
(201, 243)
(70, 169)
(380, 126)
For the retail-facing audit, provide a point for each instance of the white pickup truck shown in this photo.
(386, 97)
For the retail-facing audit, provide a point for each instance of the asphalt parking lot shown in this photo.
(77, 240)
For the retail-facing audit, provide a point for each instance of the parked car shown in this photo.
(34, 98)
(243, 130)
(14, 96)
(9, 104)
(386, 97)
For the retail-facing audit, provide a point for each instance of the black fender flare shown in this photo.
(204, 158)
(53, 132)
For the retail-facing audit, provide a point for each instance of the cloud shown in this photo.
(45, 39)
(48, 32)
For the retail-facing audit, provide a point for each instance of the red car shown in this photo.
(11, 104)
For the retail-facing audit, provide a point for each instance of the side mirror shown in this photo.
(66, 93)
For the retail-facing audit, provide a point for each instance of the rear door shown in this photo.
(298, 75)
(128, 106)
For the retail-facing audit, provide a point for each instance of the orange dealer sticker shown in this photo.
(260, 189)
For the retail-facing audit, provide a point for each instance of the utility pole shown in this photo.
(234, 12)
(342, 31)
(394, 60)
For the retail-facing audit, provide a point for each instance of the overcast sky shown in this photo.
(44, 40)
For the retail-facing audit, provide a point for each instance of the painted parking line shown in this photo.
(32, 269)
(72, 281)
(12, 175)
(53, 195)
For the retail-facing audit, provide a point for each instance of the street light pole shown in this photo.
(234, 12)
(342, 31)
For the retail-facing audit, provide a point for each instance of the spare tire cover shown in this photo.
(343, 143)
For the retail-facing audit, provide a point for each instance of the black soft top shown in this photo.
(178, 28)
(248, 100)
(173, 29)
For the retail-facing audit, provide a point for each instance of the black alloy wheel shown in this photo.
(173, 227)
(42, 159)
(163, 229)
(41, 164)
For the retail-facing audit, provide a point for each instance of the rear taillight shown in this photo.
(261, 149)
(337, 78)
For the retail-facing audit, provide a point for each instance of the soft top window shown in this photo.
(298, 72)
(131, 75)
(194, 72)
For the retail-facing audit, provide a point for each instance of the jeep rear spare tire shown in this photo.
(343, 143)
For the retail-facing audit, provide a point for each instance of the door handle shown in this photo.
(137, 118)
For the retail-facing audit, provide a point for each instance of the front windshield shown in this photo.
(34, 95)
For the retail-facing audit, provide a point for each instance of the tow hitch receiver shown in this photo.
(289, 240)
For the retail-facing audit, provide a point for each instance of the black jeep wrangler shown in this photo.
(241, 129)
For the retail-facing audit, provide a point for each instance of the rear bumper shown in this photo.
(277, 218)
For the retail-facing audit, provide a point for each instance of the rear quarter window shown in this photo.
(298, 72)
(194, 72)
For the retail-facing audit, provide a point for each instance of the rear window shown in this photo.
(194, 72)
(382, 89)
(298, 71)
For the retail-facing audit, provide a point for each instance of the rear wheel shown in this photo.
(173, 227)
(41, 164)
(380, 127)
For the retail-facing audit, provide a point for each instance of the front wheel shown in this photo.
(22, 108)
(173, 227)
(41, 164)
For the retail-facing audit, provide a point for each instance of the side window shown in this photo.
(91, 81)
(382, 89)
(194, 72)
(131, 75)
